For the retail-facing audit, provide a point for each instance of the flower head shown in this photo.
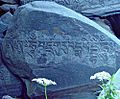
(44, 81)
(7, 97)
(101, 76)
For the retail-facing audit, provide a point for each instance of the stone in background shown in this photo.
(10, 1)
(9, 7)
(90, 8)
(5, 21)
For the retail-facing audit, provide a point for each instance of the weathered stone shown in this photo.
(5, 21)
(9, 1)
(49, 40)
(8, 83)
(9, 7)
(88, 7)
(6, 18)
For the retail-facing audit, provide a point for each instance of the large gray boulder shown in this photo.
(49, 40)
(91, 8)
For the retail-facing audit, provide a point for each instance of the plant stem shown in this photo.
(45, 92)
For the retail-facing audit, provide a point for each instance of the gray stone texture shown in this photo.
(49, 40)
(9, 85)
(9, 1)
(9, 7)
(88, 7)
(5, 21)
(6, 18)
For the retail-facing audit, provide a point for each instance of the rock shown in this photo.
(90, 8)
(9, 1)
(8, 83)
(6, 18)
(9, 7)
(51, 41)
(5, 21)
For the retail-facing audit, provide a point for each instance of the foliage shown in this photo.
(108, 85)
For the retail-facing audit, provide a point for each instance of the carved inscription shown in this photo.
(89, 49)
(44, 48)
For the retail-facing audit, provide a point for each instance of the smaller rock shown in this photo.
(9, 1)
(6, 18)
(9, 7)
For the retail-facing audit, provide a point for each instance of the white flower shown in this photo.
(44, 81)
(7, 97)
(92, 77)
(101, 75)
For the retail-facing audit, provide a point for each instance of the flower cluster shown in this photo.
(111, 88)
(7, 97)
(44, 81)
(101, 76)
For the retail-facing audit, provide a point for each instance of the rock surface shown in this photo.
(9, 1)
(88, 7)
(52, 41)
(9, 7)
(6, 18)
(5, 21)
(8, 83)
